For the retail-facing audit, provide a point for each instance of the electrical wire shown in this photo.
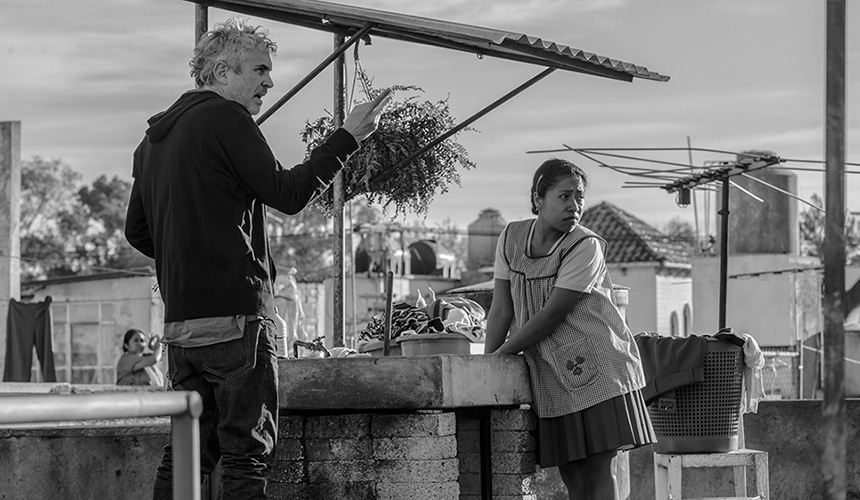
(603, 151)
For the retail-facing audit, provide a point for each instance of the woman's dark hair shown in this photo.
(550, 173)
(128, 335)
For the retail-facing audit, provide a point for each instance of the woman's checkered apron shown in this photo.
(591, 356)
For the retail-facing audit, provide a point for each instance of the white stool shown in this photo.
(668, 469)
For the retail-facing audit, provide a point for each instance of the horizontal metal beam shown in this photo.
(71, 407)
(183, 408)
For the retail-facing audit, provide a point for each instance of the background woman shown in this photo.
(136, 366)
(553, 294)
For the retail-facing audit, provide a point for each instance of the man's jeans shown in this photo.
(238, 381)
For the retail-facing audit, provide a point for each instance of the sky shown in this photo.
(82, 77)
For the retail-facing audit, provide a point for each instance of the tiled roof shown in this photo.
(630, 239)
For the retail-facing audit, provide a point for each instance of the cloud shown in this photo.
(84, 76)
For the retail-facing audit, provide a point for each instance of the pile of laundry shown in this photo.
(430, 315)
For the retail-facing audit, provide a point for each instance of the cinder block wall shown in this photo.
(417, 455)
(367, 456)
(422, 455)
(328, 456)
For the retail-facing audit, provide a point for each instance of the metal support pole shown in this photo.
(201, 21)
(10, 224)
(833, 468)
(338, 285)
(389, 295)
(724, 252)
(184, 436)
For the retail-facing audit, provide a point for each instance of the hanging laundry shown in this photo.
(29, 324)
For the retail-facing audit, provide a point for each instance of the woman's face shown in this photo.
(136, 343)
(561, 206)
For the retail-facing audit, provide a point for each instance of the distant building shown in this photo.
(483, 235)
(90, 315)
(655, 267)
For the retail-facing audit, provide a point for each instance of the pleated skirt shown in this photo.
(620, 423)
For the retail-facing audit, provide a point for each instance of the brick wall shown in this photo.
(367, 456)
(421, 455)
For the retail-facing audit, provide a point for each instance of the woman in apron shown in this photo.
(553, 301)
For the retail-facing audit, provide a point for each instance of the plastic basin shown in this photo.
(374, 348)
(425, 344)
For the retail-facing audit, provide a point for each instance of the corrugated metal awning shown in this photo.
(343, 19)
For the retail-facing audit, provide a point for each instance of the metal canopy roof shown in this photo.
(343, 19)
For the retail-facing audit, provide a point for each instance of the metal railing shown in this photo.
(183, 408)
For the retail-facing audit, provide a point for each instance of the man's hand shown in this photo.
(364, 118)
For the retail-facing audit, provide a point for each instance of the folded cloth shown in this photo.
(670, 362)
(753, 380)
(753, 389)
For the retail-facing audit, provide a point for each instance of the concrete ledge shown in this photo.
(19, 388)
(444, 381)
(78, 463)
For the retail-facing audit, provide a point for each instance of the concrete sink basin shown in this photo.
(442, 381)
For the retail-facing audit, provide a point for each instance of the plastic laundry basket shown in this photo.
(704, 417)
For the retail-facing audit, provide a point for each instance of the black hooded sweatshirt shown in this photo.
(202, 175)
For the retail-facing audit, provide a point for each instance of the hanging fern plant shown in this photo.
(405, 126)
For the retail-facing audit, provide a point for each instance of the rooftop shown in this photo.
(630, 239)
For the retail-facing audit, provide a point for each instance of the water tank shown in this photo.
(430, 258)
(372, 252)
(768, 227)
(483, 235)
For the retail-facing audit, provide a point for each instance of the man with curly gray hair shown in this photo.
(203, 175)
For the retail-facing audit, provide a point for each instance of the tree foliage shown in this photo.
(812, 233)
(303, 241)
(682, 232)
(306, 240)
(405, 126)
(69, 229)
